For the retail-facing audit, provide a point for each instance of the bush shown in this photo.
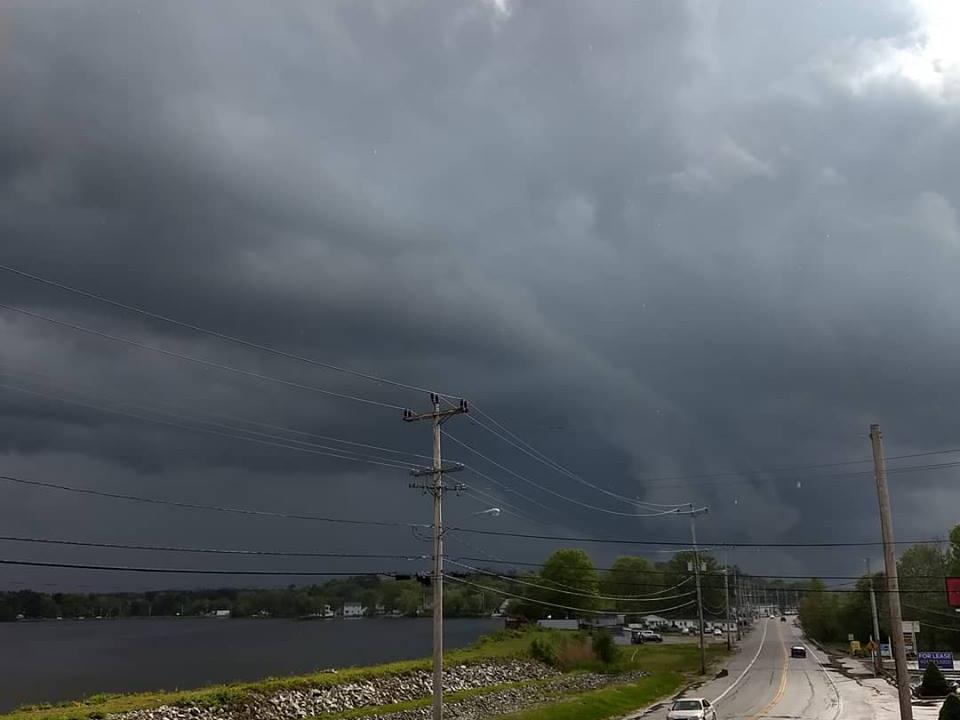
(950, 709)
(934, 683)
(543, 650)
(604, 648)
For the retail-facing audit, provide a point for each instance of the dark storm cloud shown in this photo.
(655, 239)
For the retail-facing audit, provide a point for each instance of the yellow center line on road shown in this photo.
(783, 681)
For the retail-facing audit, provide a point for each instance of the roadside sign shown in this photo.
(911, 626)
(953, 591)
(854, 647)
(849, 637)
(943, 660)
(871, 647)
(908, 644)
(885, 650)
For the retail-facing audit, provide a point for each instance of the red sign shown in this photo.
(953, 591)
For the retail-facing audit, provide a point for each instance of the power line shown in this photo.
(301, 445)
(598, 596)
(531, 451)
(223, 416)
(206, 550)
(212, 508)
(198, 361)
(476, 531)
(190, 571)
(524, 598)
(214, 333)
(678, 543)
(550, 491)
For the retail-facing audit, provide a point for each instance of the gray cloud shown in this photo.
(658, 239)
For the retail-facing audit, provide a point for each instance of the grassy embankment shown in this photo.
(669, 666)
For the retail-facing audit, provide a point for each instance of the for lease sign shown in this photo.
(943, 660)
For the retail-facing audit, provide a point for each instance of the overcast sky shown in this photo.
(653, 239)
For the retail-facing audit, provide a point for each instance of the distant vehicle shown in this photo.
(798, 651)
(650, 636)
(783, 618)
(718, 632)
(692, 709)
(685, 631)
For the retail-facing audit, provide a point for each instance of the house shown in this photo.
(558, 624)
(655, 621)
(353, 610)
(605, 621)
(684, 624)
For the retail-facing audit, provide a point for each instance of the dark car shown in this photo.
(783, 618)
(798, 651)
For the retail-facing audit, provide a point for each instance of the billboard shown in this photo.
(943, 660)
(953, 591)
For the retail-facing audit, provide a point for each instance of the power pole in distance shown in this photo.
(893, 582)
(726, 594)
(696, 570)
(877, 659)
(437, 417)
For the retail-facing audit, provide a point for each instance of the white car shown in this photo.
(718, 632)
(691, 709)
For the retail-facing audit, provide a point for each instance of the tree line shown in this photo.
(829, 616)
(567, 585)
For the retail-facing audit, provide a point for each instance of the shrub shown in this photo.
(950, 709)
(574, 653)
(543, 650)
(934, 683)
(604, 647)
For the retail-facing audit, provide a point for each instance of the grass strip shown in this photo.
(607, 702)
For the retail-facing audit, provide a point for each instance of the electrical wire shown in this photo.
(540, 457)
(598, 596)
(188, 571)
(524, 598)
(630, 541)
(559, 495)
(198, 361)
(300, 446)
(206, 550)
(475, 531)
(157, 405)
(214, 333)
(212, 508)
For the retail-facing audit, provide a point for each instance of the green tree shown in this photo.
(934, 684)
(629, 576)
(819, 613)
(575, 580)
(950, 709)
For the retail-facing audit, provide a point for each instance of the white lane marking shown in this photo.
(736, 682)
(829, 679)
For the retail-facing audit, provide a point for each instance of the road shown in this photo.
(763, 681)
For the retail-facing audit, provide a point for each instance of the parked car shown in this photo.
(650, 636)
(718, 632)
(691, 709)
(798, 651)
(783, 618)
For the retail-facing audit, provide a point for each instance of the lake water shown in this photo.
(50, 661)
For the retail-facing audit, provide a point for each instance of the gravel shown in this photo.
(307, 702)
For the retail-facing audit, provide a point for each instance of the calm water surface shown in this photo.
(50, 661)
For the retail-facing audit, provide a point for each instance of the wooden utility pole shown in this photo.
(436, 488)
(696, 570)
(726, 594)
(877, 658)
(893, 582)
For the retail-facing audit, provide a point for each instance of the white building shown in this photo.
(221, 613)
(655, 621)
(353, 609)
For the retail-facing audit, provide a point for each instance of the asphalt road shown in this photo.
(763, 681)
